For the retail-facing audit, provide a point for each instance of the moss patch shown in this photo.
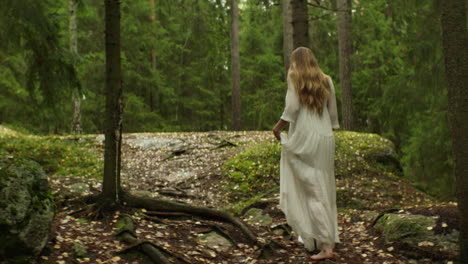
(366, 166)
(62, 156)
(253, 173)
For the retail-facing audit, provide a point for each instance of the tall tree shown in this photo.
(455, 43)
(300, 23)
(76, 100)
(235, 67)
(113, 124)
(152, 55)
(345, 50)
(287, 32)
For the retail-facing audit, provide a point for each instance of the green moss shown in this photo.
(357, 152)
(253, 171)
(405, 228)
(237, 207)
(361, 161)
(65, 156)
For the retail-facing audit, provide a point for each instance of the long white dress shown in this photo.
(307, 185)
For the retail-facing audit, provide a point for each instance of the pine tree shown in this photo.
(344, 40)
(235, 67)
(113, 125)
(455, 43)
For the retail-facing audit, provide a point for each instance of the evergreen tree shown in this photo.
(344, 40)
(235, 67)
(455, 43)
(113, 126)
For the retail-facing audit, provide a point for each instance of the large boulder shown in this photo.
(26, 209)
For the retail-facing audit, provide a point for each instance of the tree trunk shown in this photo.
(76, 100)
(113, 118)
(152, 56)
(235, 67)
(345, 50)
(300, 23)
(287, 32)
(455, 43)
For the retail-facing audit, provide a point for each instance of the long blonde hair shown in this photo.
(310, 83)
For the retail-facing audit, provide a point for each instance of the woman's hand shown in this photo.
(277, 133)
(278, 127)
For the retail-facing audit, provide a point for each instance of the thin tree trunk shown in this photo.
(300, 23)
(345, 50)
(455, 43)
(235, 67)
(113, 123)
(76, 100)
(152, 55)
(287, 32)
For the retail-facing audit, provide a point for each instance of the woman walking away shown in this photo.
(307, 188)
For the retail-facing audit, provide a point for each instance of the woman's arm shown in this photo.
(332, 109)
(278, 127)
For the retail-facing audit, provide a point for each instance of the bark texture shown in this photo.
(345, 51)
(113, 118)
(152, 56)
(287, 33)
(171, 206)
(235, 67)
(300, 23)
(455, 43)
(76, 96)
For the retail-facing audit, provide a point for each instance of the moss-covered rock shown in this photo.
(363, 151)
(26, 209)
(69, 156)
(414, 235)
(367, 170)
(405, 228)
(258, 217)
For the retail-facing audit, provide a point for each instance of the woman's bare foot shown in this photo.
(323, 255)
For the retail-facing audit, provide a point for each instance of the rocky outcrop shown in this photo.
(26, 209)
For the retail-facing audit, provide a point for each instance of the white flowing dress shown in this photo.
(307, 184)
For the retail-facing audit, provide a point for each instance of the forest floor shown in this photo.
(188, 167)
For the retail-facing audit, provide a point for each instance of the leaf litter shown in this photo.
(188, 167)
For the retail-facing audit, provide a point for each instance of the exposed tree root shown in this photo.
(171, 206)
(127, 234)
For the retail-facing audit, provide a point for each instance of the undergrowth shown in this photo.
(63, 156)
(254, 173)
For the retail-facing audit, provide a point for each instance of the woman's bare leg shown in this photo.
(325, 253)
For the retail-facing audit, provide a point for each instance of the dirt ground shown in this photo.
(187, 167)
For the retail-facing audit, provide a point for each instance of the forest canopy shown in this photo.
(176, 70)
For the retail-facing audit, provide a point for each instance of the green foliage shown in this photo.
(399, 90)
(38, 70)
(262, 70)
(64, 156)
(253, 171)
(367, 162)
(359, 152)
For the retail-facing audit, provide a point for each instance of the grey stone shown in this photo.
(215, 240)
(256, 216)
(79, 187)
(417, 231)
(26, 209)
(155, 143)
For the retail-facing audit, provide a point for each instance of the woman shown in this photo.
(307, 188)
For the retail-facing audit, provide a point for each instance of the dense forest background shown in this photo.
(176, 70)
